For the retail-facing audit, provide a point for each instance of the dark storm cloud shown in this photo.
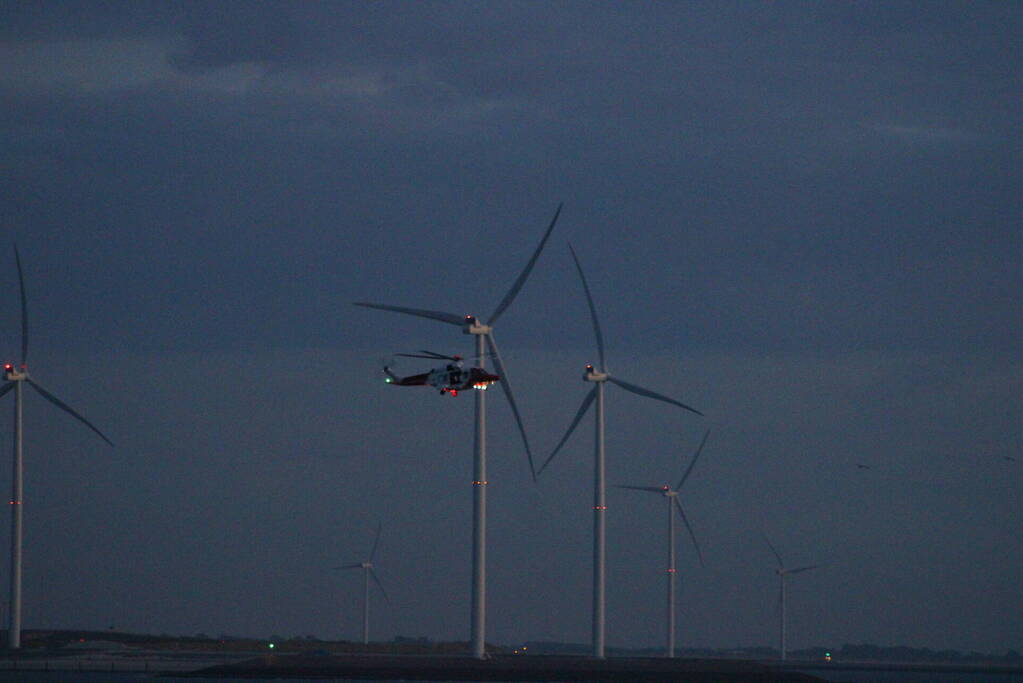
(752, 130)
(802, 218)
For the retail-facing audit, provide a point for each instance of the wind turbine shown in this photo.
(367, 574)
(782, 572)
(484, 333)
(671, 497)
(600, 378)
(15, 377)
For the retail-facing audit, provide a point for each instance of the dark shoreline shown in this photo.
(503, 668)
(908, 667)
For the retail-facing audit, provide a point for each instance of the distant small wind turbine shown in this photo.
(600, 378)
(367, 574)
(782, 572)
(15, 378)
(671, 497)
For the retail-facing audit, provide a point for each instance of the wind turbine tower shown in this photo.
(15, 378)
(599, 379)
(671, 497)
(782, 572)
(367, 574)
(484, 333)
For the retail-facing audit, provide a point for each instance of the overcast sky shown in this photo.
(801, 218)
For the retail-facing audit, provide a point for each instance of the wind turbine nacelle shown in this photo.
(11, 374)
(592, 375)
(473, 326)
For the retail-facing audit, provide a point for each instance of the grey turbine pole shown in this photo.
(599, 530)
(15, 378)
(670, 650)
(671, 496)
(470, 324)
(479, 510)
(14, 627)
(365, 607)
(782, 572)
(782, 625)
(599, 378)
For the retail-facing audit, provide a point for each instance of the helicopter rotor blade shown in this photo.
(691, 464)
(420, 355)
(521, 280)
(440, 355)
(506, 387)
(654, 489)
(651, 394)
(587, 401)
(449, 318)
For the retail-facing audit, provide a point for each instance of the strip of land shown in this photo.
(503, 668)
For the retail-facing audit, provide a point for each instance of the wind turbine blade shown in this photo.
(655, 489)
(376, 580)
(7, 387)
(65, 407)
(802, 569)
(24, 308)
(420, 355)
(506, 386)
(376, 541)
(593, 312)
(571, 428)
(781, 565)
(695, 458)
(517, 285)
(357, 565)
(651, 394)
(449, 318)
(696, 545)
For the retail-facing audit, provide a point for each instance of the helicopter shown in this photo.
(449, 379)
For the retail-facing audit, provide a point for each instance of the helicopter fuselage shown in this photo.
(449, 379)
